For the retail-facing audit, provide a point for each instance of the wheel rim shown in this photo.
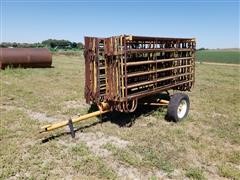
(182, 109)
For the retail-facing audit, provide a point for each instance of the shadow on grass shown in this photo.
(27, 66)
(119, 118)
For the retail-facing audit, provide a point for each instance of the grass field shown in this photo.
(204, 146)
(219, 56)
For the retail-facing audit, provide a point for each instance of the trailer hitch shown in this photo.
(103, 108)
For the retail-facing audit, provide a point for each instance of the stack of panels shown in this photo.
(135, 66)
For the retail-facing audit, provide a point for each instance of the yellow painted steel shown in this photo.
(155, 104)
(54, 126)
(103, 108)
(129, 38)
(162, 102)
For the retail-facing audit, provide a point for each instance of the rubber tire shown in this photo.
(173, 107)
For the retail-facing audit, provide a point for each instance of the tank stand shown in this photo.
(70, 125)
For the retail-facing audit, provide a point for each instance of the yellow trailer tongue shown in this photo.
(104, 108)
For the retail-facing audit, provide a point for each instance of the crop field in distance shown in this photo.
(231, 56)
(141, 145)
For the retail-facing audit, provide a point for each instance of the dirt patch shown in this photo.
(40, 116)
(215, 115)
(96, 141)
(125, 172)
(129, 172)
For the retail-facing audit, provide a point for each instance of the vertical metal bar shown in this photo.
(70, 125)
(122, 66)
(155, 58)
(125, 66)
(98, 69)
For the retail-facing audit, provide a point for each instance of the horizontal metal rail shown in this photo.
(156, 90)
(158, 50)
(150, 39)
(156, 61)
(157, 80)
(135, 66)
(156, 71)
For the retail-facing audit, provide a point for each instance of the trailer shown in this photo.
(122, 71)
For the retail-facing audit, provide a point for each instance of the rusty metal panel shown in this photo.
(25, 57)
(137, 66)
(89, 55)
(95, 70)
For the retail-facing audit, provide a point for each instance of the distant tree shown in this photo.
(47, 43)
(4, 44)
(52, 44)
(37, 45)
(14, 45)
(63, 44)
(80, 45)
(74, 45)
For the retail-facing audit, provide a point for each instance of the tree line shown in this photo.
(52, 44)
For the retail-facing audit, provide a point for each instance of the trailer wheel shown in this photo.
(178, 107)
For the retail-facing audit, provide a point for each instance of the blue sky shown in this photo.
(214, 23)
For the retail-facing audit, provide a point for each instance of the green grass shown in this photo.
(151, 157)
(219, 56)
(141, 157)
(90, 164)
(195, 173)
(125, 156)
(44, 91)
(205, 145)
(73, 52)
(229, 171)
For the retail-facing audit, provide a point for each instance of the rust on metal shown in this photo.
(122, 69)
(25, 57)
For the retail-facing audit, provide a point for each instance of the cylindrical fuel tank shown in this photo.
(25, 57)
